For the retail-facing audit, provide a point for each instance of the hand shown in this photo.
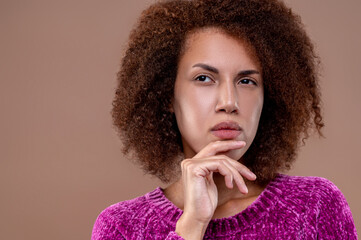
(200, 190)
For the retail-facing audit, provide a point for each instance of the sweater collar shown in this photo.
(167, 211)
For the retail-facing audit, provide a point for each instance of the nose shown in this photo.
(227, 98)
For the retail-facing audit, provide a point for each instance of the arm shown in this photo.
(174, 236)
(335, 219)
(104, 229)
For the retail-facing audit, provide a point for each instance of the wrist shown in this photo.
(190, 228)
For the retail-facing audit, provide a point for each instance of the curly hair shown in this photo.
(291, 110)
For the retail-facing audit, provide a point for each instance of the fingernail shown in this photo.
(251, 174)
(241, 143)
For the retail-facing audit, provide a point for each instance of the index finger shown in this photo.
(219, 146)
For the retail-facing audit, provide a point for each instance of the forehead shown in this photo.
(205, 41)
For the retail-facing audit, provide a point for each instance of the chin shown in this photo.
(235, 154)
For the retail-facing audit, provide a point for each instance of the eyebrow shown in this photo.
(206, 67)
(215, 70)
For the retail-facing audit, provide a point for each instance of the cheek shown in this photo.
(250, 107)
(192, 110)
(254, 112)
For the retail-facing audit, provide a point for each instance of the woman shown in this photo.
(215, 98)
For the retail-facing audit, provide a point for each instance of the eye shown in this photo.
(203, 78)
(247, 81)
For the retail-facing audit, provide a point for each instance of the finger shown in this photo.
(237, 178)
(242, 169)
(219, 146)
(204, 167)
(238, 172)
(225, 168)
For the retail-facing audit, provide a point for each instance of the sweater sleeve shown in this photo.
(105, 229)
(174, 236)
(111, 224)
(334, 218)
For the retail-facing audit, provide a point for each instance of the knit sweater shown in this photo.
(289, 208)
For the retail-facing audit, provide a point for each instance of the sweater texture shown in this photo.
(290, 207)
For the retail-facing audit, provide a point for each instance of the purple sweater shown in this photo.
(289, 208)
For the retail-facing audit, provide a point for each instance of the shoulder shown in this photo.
(312, 186)
(112, 222)
(123, 210)
(320, 202)
(305, 193)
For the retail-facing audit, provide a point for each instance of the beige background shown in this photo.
(60, 162)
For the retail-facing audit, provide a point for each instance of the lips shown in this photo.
(226, 130)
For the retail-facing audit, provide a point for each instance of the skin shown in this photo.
(219, 79)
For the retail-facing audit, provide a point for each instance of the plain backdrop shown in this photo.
(60, 158)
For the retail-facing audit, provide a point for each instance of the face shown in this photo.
(218, 93)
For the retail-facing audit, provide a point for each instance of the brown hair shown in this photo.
(148, 72)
